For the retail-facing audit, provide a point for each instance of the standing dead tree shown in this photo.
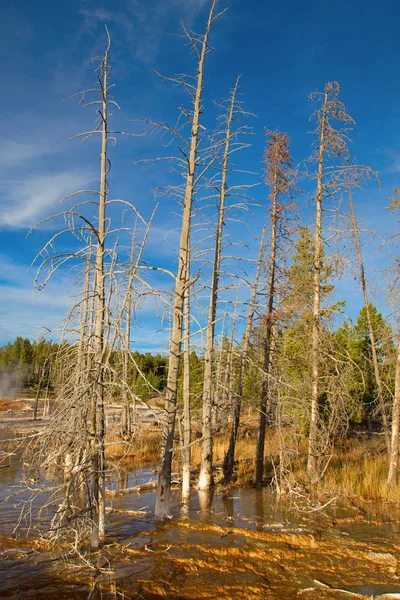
(395, 438)
(126, 421)
(97, 424)
(199, 44)
(279, 177)
(73, 442)
(334, 170)
(206, 477)
(122, 324)
(395, 433)
(363, 282)
(229, 459)
(186, 451)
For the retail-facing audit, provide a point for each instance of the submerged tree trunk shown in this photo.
(206, 476)
(381, 400)
(229, 459)
(394, 451)
(181, 283)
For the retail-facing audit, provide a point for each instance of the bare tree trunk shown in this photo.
(227, 387)
(394, 451)
(83, 333)
(206, 476)
(126, 415)
(126, 420)
(313, 455)
(186, 452)
(218, 375)
(181, 284)
(97, 425)
(35, 408)
(281, 470)
(259, 465)
(381, 400)
(229, 459)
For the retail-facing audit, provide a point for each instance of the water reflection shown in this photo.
(123, 477)
(228, 507)
(217, 545)
(205, 504)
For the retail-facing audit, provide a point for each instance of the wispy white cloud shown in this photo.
(23, 203)
(11, 271)
(394, 167)
(190, 8)
(23, 312)
(14, 153)
(13, 295)
(142, 24)
(27, 315)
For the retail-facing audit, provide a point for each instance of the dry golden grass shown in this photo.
(357, 468)
(144, 448)
(360, 472)
(245, 454)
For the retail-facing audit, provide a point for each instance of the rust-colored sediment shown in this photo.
(185, 560)
(197, 561)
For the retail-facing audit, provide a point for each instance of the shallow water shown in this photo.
(242, 544)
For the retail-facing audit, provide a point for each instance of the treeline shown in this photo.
(33, 363)
(24, 363)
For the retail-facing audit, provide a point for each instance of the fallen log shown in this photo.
(133, 513)
(144, 487)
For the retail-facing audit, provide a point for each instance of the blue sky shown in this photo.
(283, 51)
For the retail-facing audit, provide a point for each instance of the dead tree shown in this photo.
(206, 477)
(229, 459)
(395, 437)
(381, 399)
(201, 49)
(394, 450)
(73, 440)
(97, 426)
(279, 174)
(126, 417)
(186, 451)
(333, 170)
(227, 389)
